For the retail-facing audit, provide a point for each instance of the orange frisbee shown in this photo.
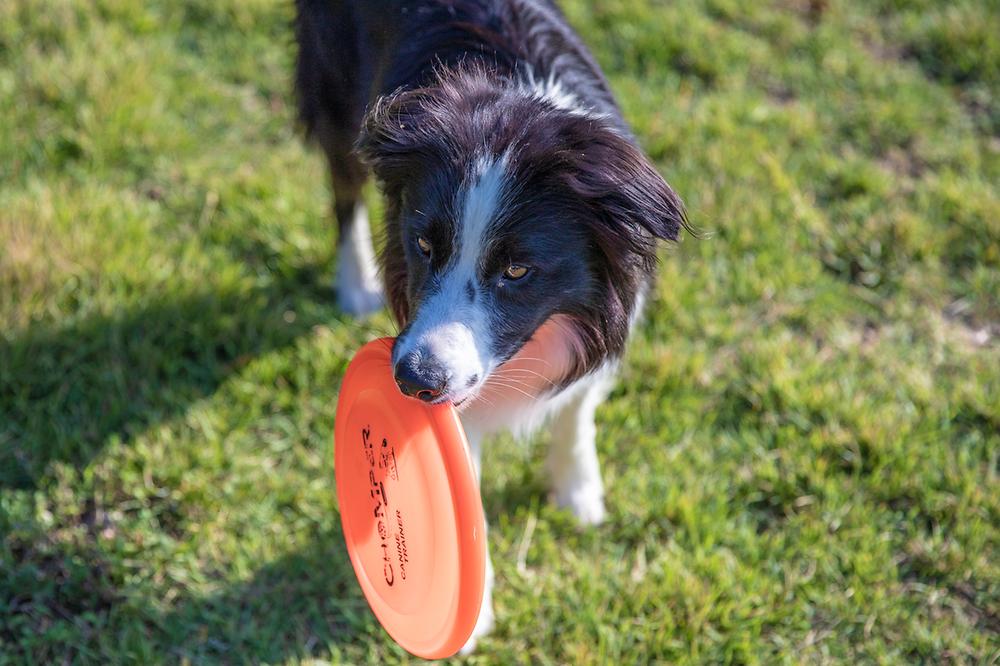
(410, 508)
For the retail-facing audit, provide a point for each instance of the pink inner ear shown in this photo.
(544, 361)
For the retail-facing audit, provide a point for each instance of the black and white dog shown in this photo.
(521, 219)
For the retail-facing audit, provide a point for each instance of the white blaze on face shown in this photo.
(450, 327)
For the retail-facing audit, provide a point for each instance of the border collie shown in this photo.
(521, 217)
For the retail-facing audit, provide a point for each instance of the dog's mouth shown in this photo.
(473, 391)
(464, 398)
(468, 389)
(458, 402)
(467, 395)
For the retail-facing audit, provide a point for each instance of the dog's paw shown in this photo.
(359, 301)
(484, 625)
(585, 502)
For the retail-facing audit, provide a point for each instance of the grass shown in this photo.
(802, 454)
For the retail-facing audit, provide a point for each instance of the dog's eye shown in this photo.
(515, 272)
(424, 245)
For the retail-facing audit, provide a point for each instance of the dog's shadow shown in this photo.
(70, 387)
(306, 604)
(506, 497)
(67, 388)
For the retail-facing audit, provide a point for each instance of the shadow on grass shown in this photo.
(68, 602)
(302, 605)
(67, 388)
(528, 492)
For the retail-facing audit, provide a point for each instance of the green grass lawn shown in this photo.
(802, 455)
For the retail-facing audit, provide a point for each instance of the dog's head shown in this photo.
(507, 207)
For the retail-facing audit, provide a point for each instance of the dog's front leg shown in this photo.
(358, 289)
(574, 470)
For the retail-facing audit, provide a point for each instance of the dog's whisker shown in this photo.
(531, 358)
(530, 373)
(519, 382)
(530, 384)
(482, 397)
(519, 390)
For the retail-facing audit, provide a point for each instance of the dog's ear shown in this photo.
(398, 130)
(621, 186)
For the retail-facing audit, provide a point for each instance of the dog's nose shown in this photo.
(417, 380)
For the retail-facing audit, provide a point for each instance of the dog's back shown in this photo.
(352, 51)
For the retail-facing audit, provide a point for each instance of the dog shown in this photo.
(521, 218)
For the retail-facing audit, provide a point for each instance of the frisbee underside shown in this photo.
(410, 509)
